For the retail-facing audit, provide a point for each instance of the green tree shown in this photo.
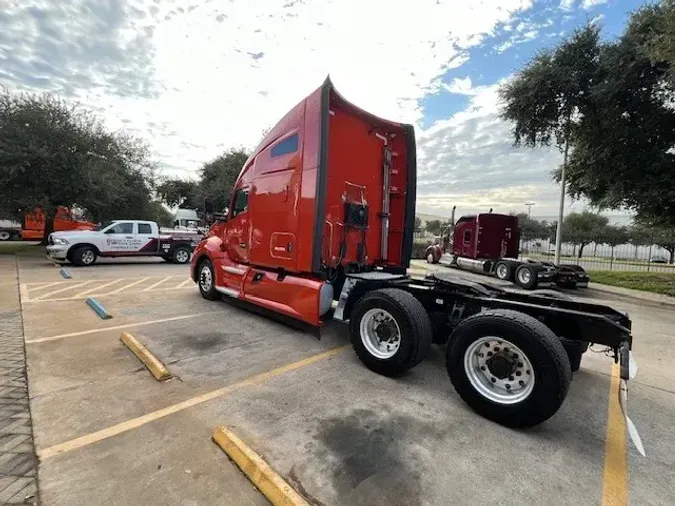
(659, 43)
(622, 150)
(433, 227)
(546, 98)
(53, 153)
(180, 193)
(532, 229)
(583, 228)
(614, 236)
(665, 237)
(418, 224)
(218, 177)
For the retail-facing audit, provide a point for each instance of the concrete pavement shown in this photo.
(107, 432)
(18, 465)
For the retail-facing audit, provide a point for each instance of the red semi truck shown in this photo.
(321, 226)
(489, 243)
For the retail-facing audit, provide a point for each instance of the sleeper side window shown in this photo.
(286, 146)
(240, 201)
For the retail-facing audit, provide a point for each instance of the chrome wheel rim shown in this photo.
(4, 235)
(380, 333)
(182, 256)
(88, 257)
(499, 370)
(502, 271)
(524, 276)
(205, 279)
(430, 258)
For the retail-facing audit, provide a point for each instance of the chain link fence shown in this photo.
(594, 256)
(602, 257)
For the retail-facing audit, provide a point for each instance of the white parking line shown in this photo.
(96, 288)
(188, 280)
(156, 284)
(117, 327)
(76, 285)
(33, 288)
(127, 286)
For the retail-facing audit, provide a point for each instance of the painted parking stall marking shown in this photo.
(73, 290)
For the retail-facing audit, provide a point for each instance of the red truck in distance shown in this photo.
(489, 243)
(320, 227)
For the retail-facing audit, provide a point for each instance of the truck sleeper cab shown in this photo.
(330, 190)
(324, 210)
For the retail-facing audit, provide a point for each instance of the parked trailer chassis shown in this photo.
(510, 355)
(524, 273)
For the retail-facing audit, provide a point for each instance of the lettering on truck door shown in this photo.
(119, 239)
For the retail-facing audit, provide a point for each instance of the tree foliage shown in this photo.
(180, 193)
(619, 96)
(532, 229)
(545, 97)
(217, 177)
(54, 153)
(418, 224)
(216, 181)
(433, 226)
(583, 228)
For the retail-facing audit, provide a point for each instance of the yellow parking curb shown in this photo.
(273, 486)
(158, 370)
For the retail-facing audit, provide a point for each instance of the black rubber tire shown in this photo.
(553, 294)
(79, 252)
(533, 280)
(431, 252)
(412, 320)
(174, 254)
(552, 371)
(212, 293)
(509, 271)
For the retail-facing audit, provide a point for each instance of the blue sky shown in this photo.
(515, 42)
(195, 77)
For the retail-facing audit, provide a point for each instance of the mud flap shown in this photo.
(628, 368)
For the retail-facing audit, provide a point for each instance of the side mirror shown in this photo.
(221, 216)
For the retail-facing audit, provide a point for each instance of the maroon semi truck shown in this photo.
(489, 243)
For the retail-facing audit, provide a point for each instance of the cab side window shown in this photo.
(121, 228)
(240, 201)
(467, 236)
(144, 228)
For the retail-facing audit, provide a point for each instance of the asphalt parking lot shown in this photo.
(107, 432)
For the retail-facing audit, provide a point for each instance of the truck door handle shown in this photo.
(242, 245)
(129, 237)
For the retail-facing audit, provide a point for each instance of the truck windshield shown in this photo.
(103, 225)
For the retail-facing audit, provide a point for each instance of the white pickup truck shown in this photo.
(122, 238)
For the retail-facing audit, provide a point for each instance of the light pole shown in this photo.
(561, 207)
(529, 208)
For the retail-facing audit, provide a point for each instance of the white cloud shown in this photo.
(460, 86)
(468, 161)
(567, 5)
(195, 80)
(218, 72)
(589, 4)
